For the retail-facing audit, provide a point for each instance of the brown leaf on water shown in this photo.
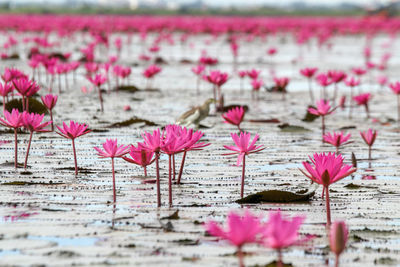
(277, 196)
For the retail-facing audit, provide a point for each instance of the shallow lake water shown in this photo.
(57, 219)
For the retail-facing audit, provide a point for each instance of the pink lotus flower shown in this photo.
(234, 116)
(140, 156)
(23, 86)
(50, 101)
(338, 236)
(352, 82)
(337, 140)
(243, 148)
(97, 81)
(272, 51)
(256, 84)
(359, 71)
(309, 73)
(362, 100)
(13, 120)
(5, 89)
(154, 143)
(218, 79)
(280, 233)
(33, 123)
(327, 170)
(253, 74)
(324, 80)
(245, 229)
(336, 77)
(192, 143)
(369, 138)
(396, 89)
(323, 109)
(150, 72)
(198, 70)
(382, 80)
(72, 132)
(112, 150)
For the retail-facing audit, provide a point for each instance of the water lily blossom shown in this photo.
(50, 101)
(337, 140)
(280, 233)
(234, 116)
(33, 123)
(112, 150)
(369, 138)
(243, 147)
(73, 131)
(362, 100)
(241, 230)
(323, 109)
(13, 120)
(326, 169)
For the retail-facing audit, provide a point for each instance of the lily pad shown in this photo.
(128, 88)
(265, 121)
(30, 183)
(277, 196)
(173, 216)
(287, 128)
(274, 264)
(357, 186)
(131, 121)
(35, 106)
(309, 117)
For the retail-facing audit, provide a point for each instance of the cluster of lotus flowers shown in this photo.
(279, 232)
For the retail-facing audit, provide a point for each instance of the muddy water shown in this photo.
(59, 219)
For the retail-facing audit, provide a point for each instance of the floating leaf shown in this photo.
(274, 264)
(357, 186)
(287, 128)
(131, 121)
(348, 127)
(266, 121)
(30, 183)
(160, 60)
(277, 196)
(128, 88)
(174, 216)
(309, 117)
(186, 242)
(35, 106)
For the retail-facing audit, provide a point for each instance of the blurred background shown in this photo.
(205, 7)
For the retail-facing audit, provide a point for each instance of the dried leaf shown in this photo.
(277, 196)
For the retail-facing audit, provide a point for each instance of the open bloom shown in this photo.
(74, 130)
(362, 99)
(253, 74)
(218, 78)
(140, 156)
(323, 108)
(280, 233)
(337, 139)
(352, 82)
(33, 122)
(112, 149)
(395, 87)
(49, 101)
(241, 230)
(151, 71)
(234, 116)
(13, 120)
(369, 136)
(308, 72)
(98, 79)
(327, 168)
(242, 146)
